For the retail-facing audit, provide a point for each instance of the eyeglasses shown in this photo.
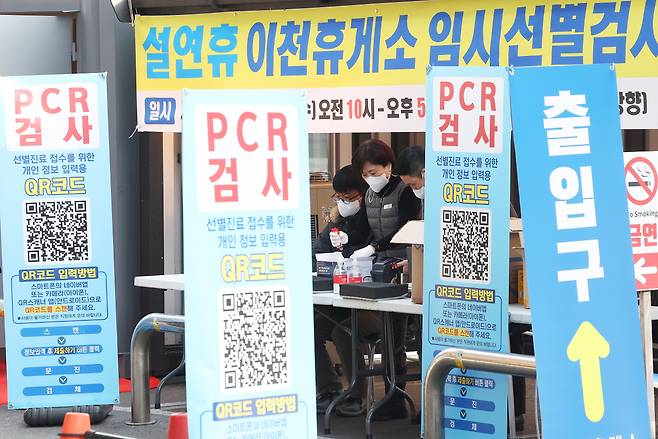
(347, 198)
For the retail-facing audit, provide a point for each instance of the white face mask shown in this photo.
(348, 208)
(377, 182)
(420, 193)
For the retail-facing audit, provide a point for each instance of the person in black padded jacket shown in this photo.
(349, 217)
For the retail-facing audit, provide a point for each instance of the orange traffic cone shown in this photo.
(75, 425)
(177, 426)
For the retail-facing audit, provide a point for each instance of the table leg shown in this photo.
(410, 401)
(163, 381)
(390, 376)
(355, 373)
(388, 364)
(407, 397)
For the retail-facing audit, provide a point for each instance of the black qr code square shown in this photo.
(254, 338)
(466, 244)
(56, 231)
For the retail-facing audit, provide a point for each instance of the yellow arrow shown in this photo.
(588, 346)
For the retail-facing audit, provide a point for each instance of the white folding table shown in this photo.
(517, 314)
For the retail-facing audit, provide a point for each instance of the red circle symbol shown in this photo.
(636, 180)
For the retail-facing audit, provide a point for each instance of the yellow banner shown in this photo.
(389, 44)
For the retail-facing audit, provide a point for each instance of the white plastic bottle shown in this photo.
(354, 275)
(340, 276)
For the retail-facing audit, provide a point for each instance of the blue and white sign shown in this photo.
(57, 251)
(578, 252)
(159, 111)
(466, 278)
(247, 251)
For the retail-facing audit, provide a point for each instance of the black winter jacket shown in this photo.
(356, 227)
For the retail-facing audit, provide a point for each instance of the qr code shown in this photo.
(254, 338)
(465, 244)
(56, 231)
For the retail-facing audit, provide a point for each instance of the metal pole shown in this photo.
(139, 361)
(443, 363)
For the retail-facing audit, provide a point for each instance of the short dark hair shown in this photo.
(411, 161)
(374, 151)
(348, 180)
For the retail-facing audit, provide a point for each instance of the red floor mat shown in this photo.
(124, 384)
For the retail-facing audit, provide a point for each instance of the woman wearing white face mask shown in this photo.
(389, 202)
(411, 168)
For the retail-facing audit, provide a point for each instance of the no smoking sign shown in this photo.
(641, 179)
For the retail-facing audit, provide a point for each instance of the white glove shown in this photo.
(338, 238)
(364, 252)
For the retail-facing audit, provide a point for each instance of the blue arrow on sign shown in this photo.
(62, 360)
(61, 340)
(63, 380)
